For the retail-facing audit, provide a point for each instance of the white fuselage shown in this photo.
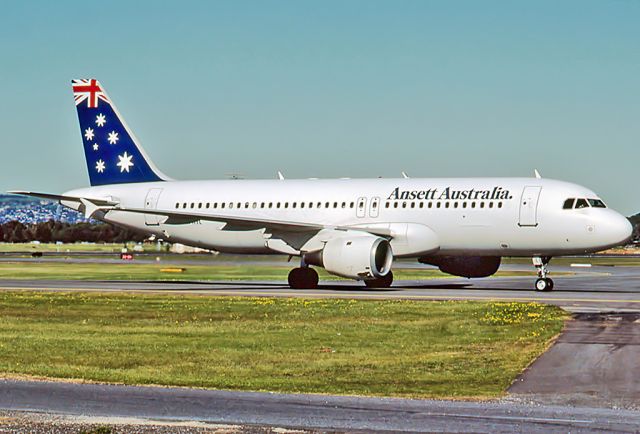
(469, 216)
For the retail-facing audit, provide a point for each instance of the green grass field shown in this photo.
(213, 272)
(61, 248)
(390, 348)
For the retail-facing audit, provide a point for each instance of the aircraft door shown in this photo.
(361, 207)
(151, 202)
(529, 206)
(374, 207)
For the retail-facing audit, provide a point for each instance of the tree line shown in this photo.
(53, 231)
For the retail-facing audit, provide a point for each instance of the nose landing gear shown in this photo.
(543, 283)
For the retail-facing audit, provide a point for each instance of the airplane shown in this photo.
(353, 228)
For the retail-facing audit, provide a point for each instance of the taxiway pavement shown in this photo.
(334, 413)
(598, 289)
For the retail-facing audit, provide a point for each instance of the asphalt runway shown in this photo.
(596, 289)
(317, 412)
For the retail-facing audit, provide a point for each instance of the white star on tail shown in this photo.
(100, 166)
(113, 137)
(95, 147)
(88, 133)
(101, 120)
(125, 162)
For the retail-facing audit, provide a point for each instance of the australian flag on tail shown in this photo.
(113, 154)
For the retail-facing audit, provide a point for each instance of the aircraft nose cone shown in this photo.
(619, 229)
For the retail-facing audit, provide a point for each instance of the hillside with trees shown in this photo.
(53, 231)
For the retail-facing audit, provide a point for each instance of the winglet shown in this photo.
(404, 175)
(280, 176)
(537, 173)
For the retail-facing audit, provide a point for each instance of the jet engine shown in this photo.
(464, 266)
(360, 256)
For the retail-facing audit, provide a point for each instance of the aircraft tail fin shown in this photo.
(112, 152)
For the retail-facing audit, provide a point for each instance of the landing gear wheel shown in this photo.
(303, 278)
(380, 282)
(544, 284)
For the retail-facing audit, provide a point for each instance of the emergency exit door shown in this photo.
(374, 207)
(151, 202)
(529, 206)
(361, 208)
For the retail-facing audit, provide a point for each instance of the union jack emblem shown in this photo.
(88, 90)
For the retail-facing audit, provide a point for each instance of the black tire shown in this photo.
(549, 284)
(542, 285)
(303, 278)
(380, 282)
(312, 278)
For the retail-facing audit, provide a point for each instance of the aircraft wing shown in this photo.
(294, 234)
(233, 222)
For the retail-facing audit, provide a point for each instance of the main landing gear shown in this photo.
(303, 278)
(380, 282)
(543, 283)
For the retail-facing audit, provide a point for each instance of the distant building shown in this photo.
(29, 210)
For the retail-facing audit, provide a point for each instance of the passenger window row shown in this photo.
(327, 205)
(443, 204)
(262, 205)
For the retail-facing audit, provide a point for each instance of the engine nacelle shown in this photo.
(359, 256)
(464, 266)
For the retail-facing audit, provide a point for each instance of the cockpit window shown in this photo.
(596, 203)
(568, 204)
(581, 203)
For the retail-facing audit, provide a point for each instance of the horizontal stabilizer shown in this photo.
(58, 197)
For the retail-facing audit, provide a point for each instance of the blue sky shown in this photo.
(331, 89)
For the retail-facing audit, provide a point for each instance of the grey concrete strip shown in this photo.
(308, 411)
(594, 362)
(604, 289)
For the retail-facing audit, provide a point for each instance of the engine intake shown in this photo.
(355, 257)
